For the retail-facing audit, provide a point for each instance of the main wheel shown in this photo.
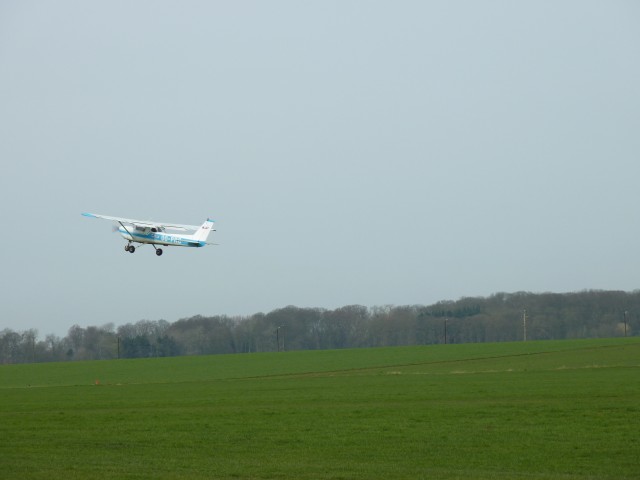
(132, 249)
(158, 251)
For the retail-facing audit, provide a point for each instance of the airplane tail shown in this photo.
(203, 232)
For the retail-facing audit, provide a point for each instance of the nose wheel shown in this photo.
(158, 251)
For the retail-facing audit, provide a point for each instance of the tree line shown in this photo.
(497, 318)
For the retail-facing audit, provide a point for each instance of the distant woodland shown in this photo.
(498, 318)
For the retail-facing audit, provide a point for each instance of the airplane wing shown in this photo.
(174, 226)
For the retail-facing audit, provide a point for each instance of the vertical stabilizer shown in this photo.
(203, 232)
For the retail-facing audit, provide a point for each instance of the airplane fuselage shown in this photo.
(145, 235)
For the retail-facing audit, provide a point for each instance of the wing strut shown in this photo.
(129, 248)
(126, 229)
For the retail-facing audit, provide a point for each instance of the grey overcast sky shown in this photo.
(351, 152)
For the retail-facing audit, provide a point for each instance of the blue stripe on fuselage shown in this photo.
(160, 239)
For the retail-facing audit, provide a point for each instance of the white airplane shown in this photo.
(153, 233)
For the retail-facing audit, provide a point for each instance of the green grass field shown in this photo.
(535, 410)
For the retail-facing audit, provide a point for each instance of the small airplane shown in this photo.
(154, 233)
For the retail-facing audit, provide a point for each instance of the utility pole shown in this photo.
(445, 330)
(625, 323)
(278, 337)
(524, 323)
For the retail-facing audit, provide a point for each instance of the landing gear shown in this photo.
(130, 248)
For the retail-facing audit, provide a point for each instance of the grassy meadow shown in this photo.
(535, 410)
